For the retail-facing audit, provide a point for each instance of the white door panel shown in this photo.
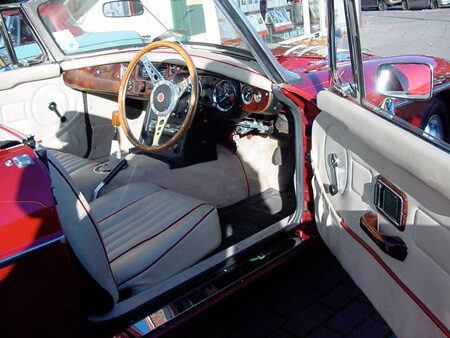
(10, 79)
(412, 295)
(25, 107)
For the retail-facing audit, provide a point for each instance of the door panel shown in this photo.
(413, 295)
(25, 107)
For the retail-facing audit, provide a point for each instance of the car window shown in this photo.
(26, 49)
(407, 75)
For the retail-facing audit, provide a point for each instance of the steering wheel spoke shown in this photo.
(159, 128)
(153, 73)
(183, 86)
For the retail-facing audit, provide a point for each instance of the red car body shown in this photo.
(28, 216)
(312, 65)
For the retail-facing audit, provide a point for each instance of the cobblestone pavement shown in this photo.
(309, 295)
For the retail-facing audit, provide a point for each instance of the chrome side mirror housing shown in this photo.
(120, 9)
(402, 80)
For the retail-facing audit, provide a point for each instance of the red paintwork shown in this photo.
(27, 210)
(312, 64)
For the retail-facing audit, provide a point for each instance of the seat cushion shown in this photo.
(80, 170)
(72, 162)
(151, 233)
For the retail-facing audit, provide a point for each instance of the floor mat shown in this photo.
(243, 219)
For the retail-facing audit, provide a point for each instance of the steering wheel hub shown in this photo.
(164, 98)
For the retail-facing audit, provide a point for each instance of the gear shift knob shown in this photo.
(115, 119)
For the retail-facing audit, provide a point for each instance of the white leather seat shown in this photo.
(134, 236)
(80, 170)
(73, 163)
(151, 233)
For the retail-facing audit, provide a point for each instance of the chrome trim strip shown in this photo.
(12, 259)
(441, 87)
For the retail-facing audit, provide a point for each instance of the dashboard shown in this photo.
(220, 94)
(224, 104)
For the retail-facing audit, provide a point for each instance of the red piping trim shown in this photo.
(126, 206)
(150, 238)
(211, 59)
(87, 213)
(167, 251)
(192, 55)
(11, 132)
(396, 279)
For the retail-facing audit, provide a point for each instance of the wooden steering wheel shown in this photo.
(164, 96)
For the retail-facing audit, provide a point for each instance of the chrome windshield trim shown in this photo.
(12, 259)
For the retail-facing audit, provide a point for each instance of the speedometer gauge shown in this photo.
(224, 95)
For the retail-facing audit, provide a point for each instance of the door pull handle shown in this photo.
(394, 246)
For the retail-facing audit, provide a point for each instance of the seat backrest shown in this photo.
(80, 228)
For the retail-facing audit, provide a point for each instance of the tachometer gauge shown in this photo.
(224, 95)
(247, 95)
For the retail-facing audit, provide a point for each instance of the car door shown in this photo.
(33, 97)
(382, 205)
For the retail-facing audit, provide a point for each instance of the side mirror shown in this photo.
(121, 9)
(412, 81)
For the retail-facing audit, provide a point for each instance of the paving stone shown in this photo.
(294, 303)
(328, 279)
(243, 306)
(362, 298)
(280, 334)
(370, 329)
(376, 316)
(259, 326)
(323, 332)
(307, 320)
(341, 295)
(286, 284)
(350, 316)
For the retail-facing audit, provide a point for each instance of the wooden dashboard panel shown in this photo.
(105, 79)
(261, 105)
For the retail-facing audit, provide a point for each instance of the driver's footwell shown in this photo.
(247, 217)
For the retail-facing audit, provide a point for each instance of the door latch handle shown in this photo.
(334, 162)
(394, 246)
(54, 108)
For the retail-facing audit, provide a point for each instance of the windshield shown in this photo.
(80, 26)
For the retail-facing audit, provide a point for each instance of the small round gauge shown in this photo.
(247, 95)
(224, 95)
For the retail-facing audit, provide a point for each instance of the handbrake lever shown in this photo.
(108, 178)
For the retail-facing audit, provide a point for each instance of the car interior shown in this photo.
(229, 176)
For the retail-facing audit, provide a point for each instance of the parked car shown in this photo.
(156, 157)
(421, 4)
(381, 5)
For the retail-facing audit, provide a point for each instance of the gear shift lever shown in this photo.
(115, 153)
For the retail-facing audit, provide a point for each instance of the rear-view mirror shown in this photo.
(120, 9)
(405, 80)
